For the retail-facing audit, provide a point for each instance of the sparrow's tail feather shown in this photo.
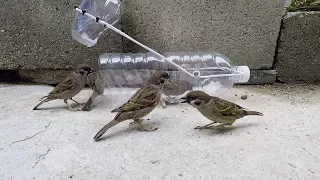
(43, 101)
(105, 128)
(43, 98)
(253, 113)
(115, 110)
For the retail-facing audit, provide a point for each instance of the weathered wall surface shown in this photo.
(246, 31)
(298, 56)
(36, 34)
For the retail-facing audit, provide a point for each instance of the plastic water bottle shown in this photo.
(87, 31)
(212, 72)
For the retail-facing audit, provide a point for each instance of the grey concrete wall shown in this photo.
(246, 31)
(36, 34)
(298, 56)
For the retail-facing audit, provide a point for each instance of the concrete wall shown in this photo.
(298, 55)
(36, 34)
(246, 31)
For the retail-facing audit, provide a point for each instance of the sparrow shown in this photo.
(96, 82)
(216, 109)
(69, 87)
(174, 88)
(140, 104)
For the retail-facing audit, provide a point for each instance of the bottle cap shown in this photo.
(243, 69)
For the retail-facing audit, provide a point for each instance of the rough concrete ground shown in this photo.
(58, 144)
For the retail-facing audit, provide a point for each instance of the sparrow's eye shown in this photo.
(166, 76)
(192, 97)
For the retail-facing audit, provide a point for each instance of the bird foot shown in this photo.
(86, 107)
(163, 103)
(220, 126)
(77, 106)
(135, 122)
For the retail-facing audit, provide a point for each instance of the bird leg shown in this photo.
(163, 103)
(208, 126)
(74, 101)
(71, 107)
(78, 107)
(219, 126)
(135, 121)
(142, 127)
(65, 101)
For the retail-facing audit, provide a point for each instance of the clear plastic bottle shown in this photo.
(87, 31)
(132, 70)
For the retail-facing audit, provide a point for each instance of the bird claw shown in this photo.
(85, 108)
(135, 122)
(199, 127)
(77, 107)
(73, 109)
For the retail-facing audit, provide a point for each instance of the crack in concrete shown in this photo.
(41, 157)
(311, 154)
(30, 137)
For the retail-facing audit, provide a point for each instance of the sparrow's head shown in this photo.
(195, 97)
(84, 69)
(159, 77)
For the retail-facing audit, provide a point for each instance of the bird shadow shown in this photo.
(133, 128)
(172, 104)
(226, 129)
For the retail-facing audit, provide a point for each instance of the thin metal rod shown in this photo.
(146, 47)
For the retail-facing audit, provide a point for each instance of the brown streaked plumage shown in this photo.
(96, 82)
(140, 104)
(216, 109)
(69, 87)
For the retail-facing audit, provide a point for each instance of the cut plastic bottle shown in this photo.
(87, 31)
(132, 70)
(210, 72)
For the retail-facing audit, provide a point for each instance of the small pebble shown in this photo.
(2, 30)
(244, 97)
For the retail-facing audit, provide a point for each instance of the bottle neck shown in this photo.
(244, 70)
